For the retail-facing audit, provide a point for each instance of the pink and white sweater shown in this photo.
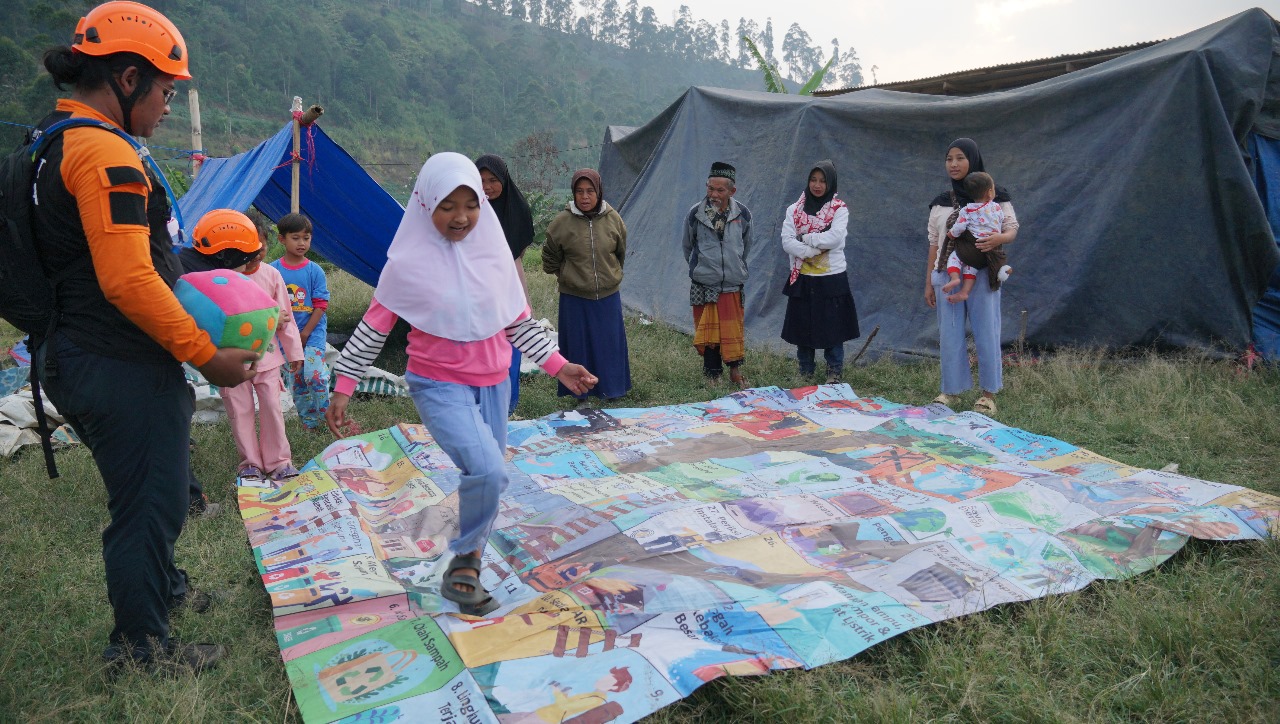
(287, 340)
(482, 363)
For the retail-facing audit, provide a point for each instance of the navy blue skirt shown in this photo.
(591, 334)
(820, 312)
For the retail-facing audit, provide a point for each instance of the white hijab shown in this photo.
(465, 290)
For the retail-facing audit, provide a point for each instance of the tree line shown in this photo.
(630, 25)
(400, 79)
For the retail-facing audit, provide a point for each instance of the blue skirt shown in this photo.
(592, 335)
(820, 312)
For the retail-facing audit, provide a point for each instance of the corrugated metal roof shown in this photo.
(998, 77)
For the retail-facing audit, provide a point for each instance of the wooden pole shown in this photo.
(197, 143)
(297, 150)
(866, 344)
(1022, 335)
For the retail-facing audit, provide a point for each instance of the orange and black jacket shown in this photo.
(95, 196)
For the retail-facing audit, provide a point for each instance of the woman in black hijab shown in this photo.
(508, 203)
(969, 150)
(820, 309)
(982, 308)
(517, 224)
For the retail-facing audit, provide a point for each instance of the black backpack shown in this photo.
(28, 297)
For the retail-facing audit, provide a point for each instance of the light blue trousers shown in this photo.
(983, 310)
(470, 425)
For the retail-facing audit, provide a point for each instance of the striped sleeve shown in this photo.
(363, 348)
(532, 340)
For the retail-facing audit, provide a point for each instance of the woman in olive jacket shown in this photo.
(585, 249)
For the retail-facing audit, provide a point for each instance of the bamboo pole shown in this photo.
(197, 142)
(297, 150)
(312, 115)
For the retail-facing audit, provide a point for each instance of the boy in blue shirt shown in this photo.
(309, 294)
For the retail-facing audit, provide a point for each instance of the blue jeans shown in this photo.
(135, 418)
(514, 374)
(834, 357)
(470, 425)
(983, 311)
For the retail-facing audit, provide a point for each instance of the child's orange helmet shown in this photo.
(228, 236)
(129, 27)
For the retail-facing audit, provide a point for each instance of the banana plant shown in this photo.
(773, 82)
(772, 76)
(813, 83)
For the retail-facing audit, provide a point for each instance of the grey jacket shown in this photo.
(714, 263)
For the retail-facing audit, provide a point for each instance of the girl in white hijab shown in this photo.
(450, 275)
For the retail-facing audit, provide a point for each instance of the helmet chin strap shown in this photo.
(127, 102)
(233, 258)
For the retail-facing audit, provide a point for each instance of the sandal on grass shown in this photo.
(948, 400)
(477, 601)
(985, 405)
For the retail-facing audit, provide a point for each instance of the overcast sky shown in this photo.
(908, 39)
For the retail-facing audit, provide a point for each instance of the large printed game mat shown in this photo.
(641, 553)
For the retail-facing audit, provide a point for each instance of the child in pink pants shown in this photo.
(232, 241)
(268, 450)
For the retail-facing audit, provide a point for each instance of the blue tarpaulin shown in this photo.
(354, 218)
(1266, 177)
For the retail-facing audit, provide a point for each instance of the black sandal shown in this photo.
(477, 601)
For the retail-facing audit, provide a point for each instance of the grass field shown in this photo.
(1195, 640)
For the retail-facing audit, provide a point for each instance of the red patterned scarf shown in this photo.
(806, 224)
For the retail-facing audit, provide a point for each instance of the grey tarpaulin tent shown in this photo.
(1140, 222)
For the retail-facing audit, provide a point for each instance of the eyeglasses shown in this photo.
(169, 93)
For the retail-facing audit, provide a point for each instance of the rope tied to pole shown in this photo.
(294, 157)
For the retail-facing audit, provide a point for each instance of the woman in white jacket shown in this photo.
(820, 309)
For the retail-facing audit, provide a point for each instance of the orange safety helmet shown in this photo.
(228, 236)
(129, 27)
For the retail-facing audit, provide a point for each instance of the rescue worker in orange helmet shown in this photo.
(112, 364)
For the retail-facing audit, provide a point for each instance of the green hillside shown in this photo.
(398, 78)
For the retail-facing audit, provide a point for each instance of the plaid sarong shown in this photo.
(720, 324)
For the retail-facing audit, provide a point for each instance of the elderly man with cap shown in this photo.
(717, 238)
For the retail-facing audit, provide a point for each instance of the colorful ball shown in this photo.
(231, 308)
